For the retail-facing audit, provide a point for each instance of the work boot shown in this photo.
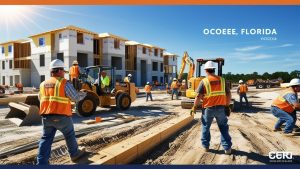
(205, 149)
(288, 134)
(228, 152)
(79, 154)
(297, 130)
(279, 129)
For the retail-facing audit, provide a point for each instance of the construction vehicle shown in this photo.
(186, 59)
(194, 82)
(121, 94)
(261, 84)
(2, 91)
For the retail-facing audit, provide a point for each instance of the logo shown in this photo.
(281, 156)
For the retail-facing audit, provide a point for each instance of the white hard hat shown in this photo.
(57, 64)
(295, 82)
(183, 80)
(75, 62)
(209, 65)
(241, 81)
(148, 83)
(174, 79)
(129, 75)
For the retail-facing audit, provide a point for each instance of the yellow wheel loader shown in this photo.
(121, 94)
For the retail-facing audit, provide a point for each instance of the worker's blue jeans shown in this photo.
(207, 117)
(243, 95)
(50, 125)
(284, 117)
(149, 95)
(175, 91)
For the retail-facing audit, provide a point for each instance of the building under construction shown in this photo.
(27, 61)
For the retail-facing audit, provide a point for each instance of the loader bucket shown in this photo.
(23, 114)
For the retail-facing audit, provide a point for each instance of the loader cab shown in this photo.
(91, 78)
(218, 61)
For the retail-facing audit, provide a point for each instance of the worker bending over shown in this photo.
(242, 90)
(215, 95)
(285, 105)
(55, 109)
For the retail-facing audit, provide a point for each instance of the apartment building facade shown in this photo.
(27, 61)
(15, 62)
(67, 44)
(113, 53)
(144, 62)
(170, 67)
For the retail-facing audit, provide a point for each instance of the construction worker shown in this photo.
(55, 109)
(174, 87)
(285, 105)
(215, 95)
(74, 74)
(104, 82)
(128, 78)
(19, 86)
(148, 88)
(242, 90)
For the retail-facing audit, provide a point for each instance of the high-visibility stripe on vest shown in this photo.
(148, 89)
(52, 97)
(282, 103)
(215, 91)
(243, 88)
(74, 71)
(174, 85)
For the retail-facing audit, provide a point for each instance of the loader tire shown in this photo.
(123, 101)
(87, 106)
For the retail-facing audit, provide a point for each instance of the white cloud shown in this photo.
(248, 48)
(285, 45)
(250, 56)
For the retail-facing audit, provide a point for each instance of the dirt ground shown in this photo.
(250, 129)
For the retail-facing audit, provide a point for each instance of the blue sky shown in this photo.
(179, 29)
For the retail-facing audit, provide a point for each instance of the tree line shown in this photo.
(285, 76)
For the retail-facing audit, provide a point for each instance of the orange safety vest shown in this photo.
(215, 92)
(243, 88)
(53, 99)
(148, 89)
(282, 103)
(174, 85)
(74, 71)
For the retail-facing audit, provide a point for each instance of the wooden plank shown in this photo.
(133, 147)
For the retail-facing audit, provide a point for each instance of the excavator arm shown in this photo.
(186, 59)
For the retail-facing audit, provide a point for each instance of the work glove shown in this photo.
(193, 111)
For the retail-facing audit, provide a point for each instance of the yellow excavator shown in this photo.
(193, 82)
(186, 59)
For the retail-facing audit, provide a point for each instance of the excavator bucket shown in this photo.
(25, 114)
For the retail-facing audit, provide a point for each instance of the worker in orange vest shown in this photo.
(74, 74)
(19, 86)
(174, 87)
(285, 105)
(148, 88)
(55, 109)
(215, 95)
(242, 90)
